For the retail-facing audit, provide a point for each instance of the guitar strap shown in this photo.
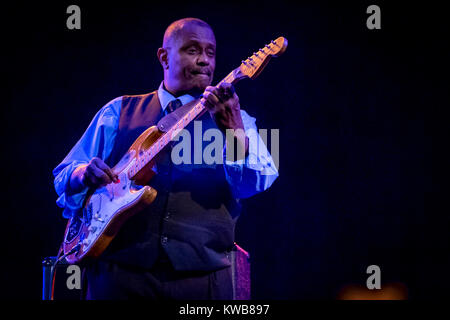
(172, 118)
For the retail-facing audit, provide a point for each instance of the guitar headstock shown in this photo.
(253, 65)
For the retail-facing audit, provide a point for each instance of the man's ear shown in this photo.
(163, 57)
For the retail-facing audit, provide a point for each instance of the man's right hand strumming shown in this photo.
(95, 174)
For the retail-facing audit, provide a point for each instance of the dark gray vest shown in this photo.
(194, 215)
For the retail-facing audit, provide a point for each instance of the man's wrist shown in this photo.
(76, 183)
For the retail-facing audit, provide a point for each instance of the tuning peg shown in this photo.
(257, 55)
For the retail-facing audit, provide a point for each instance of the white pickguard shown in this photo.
(106, 202)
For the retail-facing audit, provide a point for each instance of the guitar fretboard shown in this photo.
(249, 68)
(146, 156)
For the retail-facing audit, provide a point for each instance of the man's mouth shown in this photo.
(201, 73)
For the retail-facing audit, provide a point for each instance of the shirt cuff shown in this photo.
(69, 202)
(255, 173)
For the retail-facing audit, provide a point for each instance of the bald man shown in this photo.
(179, 246)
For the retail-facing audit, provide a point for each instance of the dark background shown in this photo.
(353, 105)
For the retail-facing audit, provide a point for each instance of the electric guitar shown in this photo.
(106, 209)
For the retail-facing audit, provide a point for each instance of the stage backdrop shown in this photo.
(350, 104)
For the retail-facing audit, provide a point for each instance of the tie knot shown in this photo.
(173, 105)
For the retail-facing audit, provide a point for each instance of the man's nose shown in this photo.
(203, 59)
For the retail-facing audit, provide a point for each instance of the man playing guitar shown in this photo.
(178, 246)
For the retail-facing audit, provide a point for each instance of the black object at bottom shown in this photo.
(110, 281)
(65, 286)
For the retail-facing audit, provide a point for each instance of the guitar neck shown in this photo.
(148, 155)
(249, 68)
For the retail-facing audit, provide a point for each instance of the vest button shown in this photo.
(164, 239)
(167, 216)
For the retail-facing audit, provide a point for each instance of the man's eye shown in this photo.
(192, 51)
(210, 53)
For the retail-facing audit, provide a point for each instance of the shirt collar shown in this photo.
(165, 97)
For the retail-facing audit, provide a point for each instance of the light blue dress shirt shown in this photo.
(246, 177)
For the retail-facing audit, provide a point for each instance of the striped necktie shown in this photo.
(172, 106)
